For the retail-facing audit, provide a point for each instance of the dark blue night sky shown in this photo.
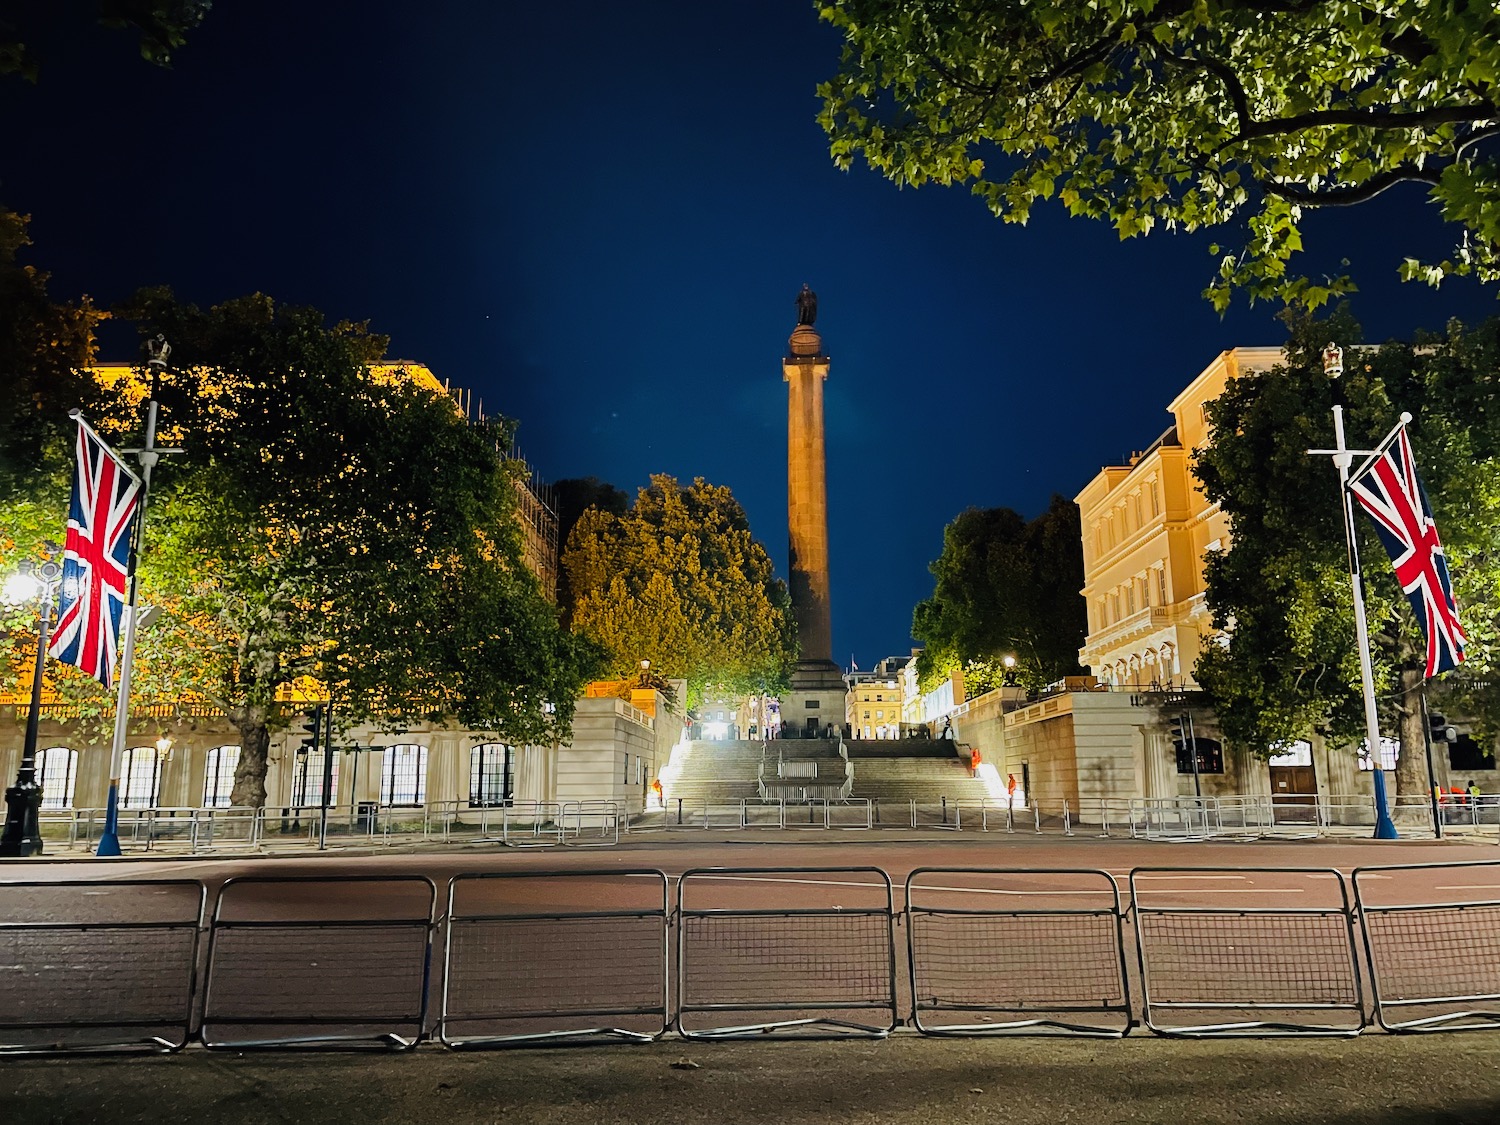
(596, 216)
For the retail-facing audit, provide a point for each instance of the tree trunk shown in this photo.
(255, 750)
(1411, 759)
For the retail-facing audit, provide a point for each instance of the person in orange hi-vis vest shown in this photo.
(656, 788)
(976, 759)
(1010, 787)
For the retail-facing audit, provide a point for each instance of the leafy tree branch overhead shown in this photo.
(1188, 114)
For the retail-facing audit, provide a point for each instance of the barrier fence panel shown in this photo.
(1432, 932)
(589, 824)
(799, 950)
(1216, 962)
(98, 965)
(1173, 818)
(1026, 951)
(305, 960)
(535, 957)
(762, 814)
(935, 814)
(853, 813)
(532, 824)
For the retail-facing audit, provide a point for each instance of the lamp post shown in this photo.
(22, 835)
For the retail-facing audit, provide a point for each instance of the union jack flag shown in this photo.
(1391, 493)
(96, 557)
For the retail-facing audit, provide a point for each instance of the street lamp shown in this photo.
(1008, 678)
(22, 835)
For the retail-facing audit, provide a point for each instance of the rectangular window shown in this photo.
(56, 770)
(307, 780)
(403, 778)
(491, 775)
(1135, 507)
(1155, 500)
(140, 777)
(812, 704)
(1130, 599)
(218, 778)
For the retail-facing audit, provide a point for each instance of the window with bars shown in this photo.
(218, 777)
(403, 778)
(140, 777)
(307, 779)
(491, 775)
(1210, 756)
(56, 773)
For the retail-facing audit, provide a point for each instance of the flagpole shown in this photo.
(109, 840)
(1343, 457)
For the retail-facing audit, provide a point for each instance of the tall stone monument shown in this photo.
(816, 700)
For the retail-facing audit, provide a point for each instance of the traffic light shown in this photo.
(314, 727)
(1438, 729)
(1177, 731)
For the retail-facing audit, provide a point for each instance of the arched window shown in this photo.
(140, 777)
(491, 775)
(403, 778)
(218, 778)
(56, 773)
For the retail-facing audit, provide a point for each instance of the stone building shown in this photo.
(185, 756)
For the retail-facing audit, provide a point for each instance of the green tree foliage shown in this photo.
(574, 497)
(1005, 586)
(1290, 666)
(42, 347)
(339, 523)
(163, 26)
(1189, 114)
(680, 581)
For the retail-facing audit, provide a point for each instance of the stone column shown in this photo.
(804, 370)
(817, 697)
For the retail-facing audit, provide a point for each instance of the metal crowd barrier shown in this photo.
(98, 964)
(820, 970)
(544, 957)
(1434, 964)
(344, 971)
(1044, 950)
(1255, 970)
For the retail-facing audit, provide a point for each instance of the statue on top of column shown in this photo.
(807, 305)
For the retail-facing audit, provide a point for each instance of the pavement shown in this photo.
(1432, 1080)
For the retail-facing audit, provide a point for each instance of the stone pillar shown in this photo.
(818, 688)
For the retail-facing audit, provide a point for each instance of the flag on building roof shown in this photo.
(96, 558)
(1391, 493)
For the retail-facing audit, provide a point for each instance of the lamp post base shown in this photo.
(23, 832)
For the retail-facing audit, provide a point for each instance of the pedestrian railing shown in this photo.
(1022, 950)
(581, 956)
(1435, 964)
(98, 965)
(291, 962)
(1211, 969)
(537, 958)
(749, 965)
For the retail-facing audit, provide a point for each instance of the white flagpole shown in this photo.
(109, 839)
(1343, 457)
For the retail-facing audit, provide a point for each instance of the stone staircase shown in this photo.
(925, 779)
(724, 772)
(719, 772)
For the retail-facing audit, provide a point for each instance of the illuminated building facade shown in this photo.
(1146, 527)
